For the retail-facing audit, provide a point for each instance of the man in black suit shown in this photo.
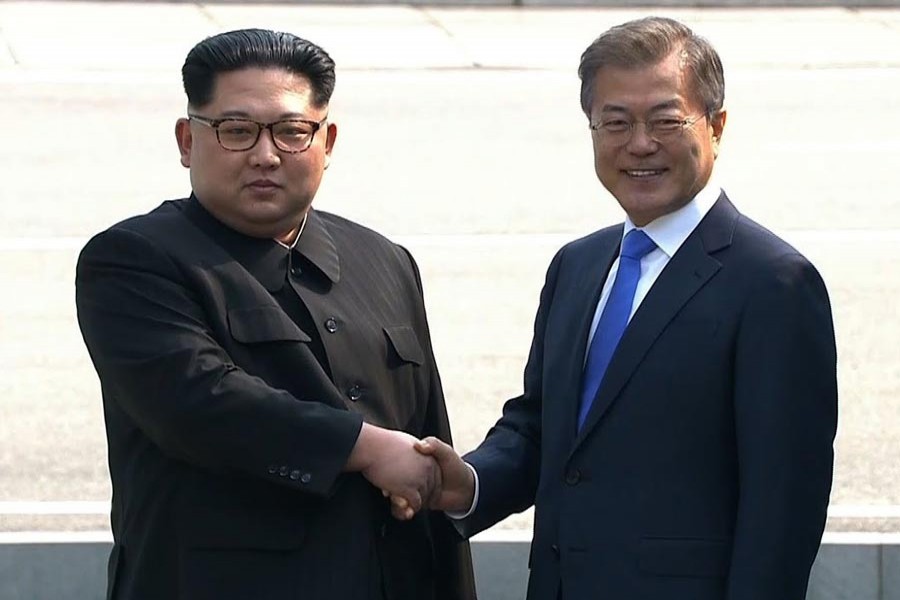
(680, 402)
(266, 368)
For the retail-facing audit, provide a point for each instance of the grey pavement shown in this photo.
(461, 137)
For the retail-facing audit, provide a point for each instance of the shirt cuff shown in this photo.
(458, 515)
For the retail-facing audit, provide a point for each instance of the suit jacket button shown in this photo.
(272, 469)
(283, 471)
(555, 549)
(295, 475)
(573, 477)
(296, 271)
(331, 325)
(354, 393)
(305, 478)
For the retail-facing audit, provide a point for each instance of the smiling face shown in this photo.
(261, 192)
(648, 178)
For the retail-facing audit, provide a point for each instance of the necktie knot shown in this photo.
(637, 244)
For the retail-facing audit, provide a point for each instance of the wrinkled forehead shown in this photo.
(665, 85)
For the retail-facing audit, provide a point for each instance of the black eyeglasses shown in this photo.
(618, 132)
(238, 135)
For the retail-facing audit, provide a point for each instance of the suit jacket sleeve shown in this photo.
(508, 461)
(150, 339)
(785, 395)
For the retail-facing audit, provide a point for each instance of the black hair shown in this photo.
(255, 48)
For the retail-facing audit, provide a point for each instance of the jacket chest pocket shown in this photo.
(403, 346)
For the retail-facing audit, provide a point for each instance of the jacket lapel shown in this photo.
(582, 285)
(688, 271)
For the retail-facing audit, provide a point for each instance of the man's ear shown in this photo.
(717, 122)
(185, 140)
(330, 137)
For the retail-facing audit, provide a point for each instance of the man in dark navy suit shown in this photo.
(266, 368)
(676, 427)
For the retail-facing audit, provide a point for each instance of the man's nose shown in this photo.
(265, 154)
(641, 140)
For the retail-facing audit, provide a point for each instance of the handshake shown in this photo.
(413, 473)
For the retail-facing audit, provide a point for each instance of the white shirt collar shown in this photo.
(670, 231)
(297, 237)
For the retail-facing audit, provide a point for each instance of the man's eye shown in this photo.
(616, 125)
(296, 131)
(665, 124)
(237, 129)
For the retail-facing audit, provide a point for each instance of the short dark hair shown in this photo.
(255, 48)
(646, 42)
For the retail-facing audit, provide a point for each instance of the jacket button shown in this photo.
(272, 469)
(555, 549)
(283, 471)
(331, 325)
(296, 271)
(295, 475)
(354, 393)
(305, 478)
(573, 477)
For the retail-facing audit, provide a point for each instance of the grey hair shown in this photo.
(646, 42)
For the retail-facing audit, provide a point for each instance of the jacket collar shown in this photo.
(266, 259)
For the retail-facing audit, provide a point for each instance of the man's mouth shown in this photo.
(263, 184)
(644, 173)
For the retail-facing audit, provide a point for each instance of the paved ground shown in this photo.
(460, 136)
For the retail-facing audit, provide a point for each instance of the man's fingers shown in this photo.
(401, 509)
(426, 446)
(415, 502)
(432, 446)
(402, 514)
(399, 502)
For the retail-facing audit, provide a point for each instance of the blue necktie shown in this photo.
(614, 318)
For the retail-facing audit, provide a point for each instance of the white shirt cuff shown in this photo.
(458, 515)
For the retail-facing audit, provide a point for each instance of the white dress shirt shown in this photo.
(668, 232)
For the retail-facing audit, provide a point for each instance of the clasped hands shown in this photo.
(414, 473)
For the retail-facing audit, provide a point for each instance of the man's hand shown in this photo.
(455, 489)
(389, 460)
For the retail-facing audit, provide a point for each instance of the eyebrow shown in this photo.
(240, 114)
(660, 106)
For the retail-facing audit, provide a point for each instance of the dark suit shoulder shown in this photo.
(347, 232)
(157, 229)
(346, 227)
(155, 220)
(764, 256)
(764, 242)
(613, 233)
(590, 244)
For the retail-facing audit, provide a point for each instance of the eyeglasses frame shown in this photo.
(214, 124)
(685, 124)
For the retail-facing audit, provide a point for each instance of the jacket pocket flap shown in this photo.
(406, 343)
(685, 557)
(235, 529)
(263, 324)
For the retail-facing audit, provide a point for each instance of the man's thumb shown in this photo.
(430, 446)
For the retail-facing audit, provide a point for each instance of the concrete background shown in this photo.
(846, 569)
(461, 137)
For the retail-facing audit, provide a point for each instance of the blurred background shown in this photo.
(461, 137)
